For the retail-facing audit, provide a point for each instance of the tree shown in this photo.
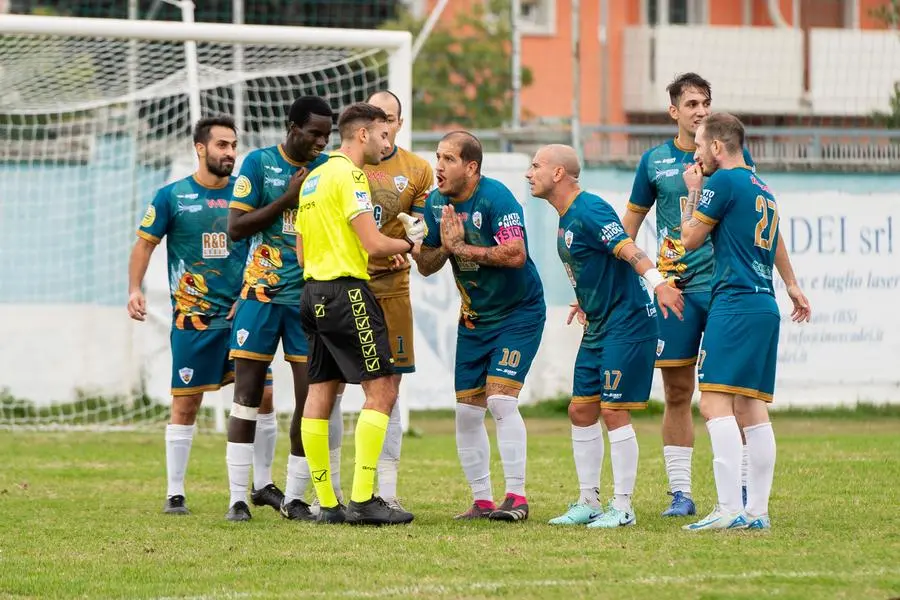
(463, 74)
(890, 14)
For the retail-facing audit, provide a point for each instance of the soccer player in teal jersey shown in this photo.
(204, 271)
(614, 366)
(740, 345)
(658, 182)
(479, 223)
(263, 208)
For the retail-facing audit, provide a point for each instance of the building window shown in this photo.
(681, 12)
(537, 17)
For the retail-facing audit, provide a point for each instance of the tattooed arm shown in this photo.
(510, 254)
(634, 256)
(429, 260)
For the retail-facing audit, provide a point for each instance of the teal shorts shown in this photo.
(500, 353)
(618, 375)
(739, 354)
(200, 361)
(679, 341)
(259, 326)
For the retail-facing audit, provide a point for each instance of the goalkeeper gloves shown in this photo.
(415, 228)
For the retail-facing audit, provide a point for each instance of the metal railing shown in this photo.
(779, 148)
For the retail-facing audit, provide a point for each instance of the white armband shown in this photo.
(652, 277)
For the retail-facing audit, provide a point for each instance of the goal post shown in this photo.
(95, 115)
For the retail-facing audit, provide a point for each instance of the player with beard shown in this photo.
(263, 208)
(204, 275)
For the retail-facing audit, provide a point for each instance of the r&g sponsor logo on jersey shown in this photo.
(215, 245)
(217, 203)
(242, 187)
(287, 221)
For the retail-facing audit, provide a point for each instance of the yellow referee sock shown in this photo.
(314, 434)
(370, 431)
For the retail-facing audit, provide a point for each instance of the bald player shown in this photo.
(400, 184)
(614, 366)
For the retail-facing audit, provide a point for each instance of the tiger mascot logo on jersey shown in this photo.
(259, 276)
(190, 302)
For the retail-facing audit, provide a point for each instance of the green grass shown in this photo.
(79, 517)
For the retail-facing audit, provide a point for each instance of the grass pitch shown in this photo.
(80, 517)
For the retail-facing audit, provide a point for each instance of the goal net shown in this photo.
(95, 115)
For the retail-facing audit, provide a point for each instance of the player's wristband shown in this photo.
(652, 277)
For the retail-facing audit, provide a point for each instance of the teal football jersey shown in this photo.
(272, 273)
(612, 296)
(745, 235)
(204, 266)
(658, 180)
(491, 216)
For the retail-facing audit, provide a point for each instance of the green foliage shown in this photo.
(889, 13)
(463, 74)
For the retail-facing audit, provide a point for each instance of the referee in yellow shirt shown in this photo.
(348, 342)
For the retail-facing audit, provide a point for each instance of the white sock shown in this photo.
(744, 461)
(587, 446)
(726, 446)
(511, 441)
(335, 439)
(264, 449)
(238, 457)
(298, 478)
(761, 467)
(336, 424)
(389, 461)
(678, 468)
(334, 463)
(623, 453)
(178, 450)
(474, 449)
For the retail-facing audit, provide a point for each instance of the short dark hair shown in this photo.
(685, 81)
(203, 128)
(358, 115)
(726, 128)
(305, 106)
(469, 146)
(393, 95)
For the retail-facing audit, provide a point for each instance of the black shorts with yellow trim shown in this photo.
(345, 330)
(739, 354)
(618, 375)
(499, 353)
(200, 361)
(259, 326)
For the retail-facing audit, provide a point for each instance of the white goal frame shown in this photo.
(398, 44)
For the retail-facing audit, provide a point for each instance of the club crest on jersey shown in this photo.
(186, 374)
(401, 182)
(476, 219)
(241, 336)
(568, 238)
(660, 344)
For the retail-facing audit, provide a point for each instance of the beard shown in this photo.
(219, 169)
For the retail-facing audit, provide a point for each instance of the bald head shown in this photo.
(554, 173)
(386, 101)
(561, 155)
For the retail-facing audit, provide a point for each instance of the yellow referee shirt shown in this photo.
(332, 196)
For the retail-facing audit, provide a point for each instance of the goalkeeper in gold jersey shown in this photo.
(399, 184)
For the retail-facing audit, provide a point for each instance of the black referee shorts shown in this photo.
(344, 324)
